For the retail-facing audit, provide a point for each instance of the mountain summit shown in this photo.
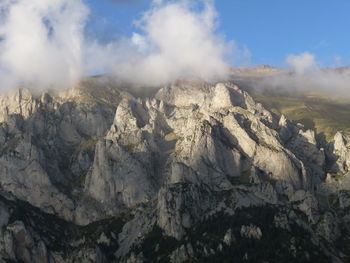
(196, 172)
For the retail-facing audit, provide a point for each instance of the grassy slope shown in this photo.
(326, 115)
(323, 112)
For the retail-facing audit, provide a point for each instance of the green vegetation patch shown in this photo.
(324, 114)
(337, 177)
(276, 244)
(156, 246)
(10, 145)
(63, 236)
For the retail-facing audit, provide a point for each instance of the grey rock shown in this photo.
(229, 238)
(251, 231)
(112, 171)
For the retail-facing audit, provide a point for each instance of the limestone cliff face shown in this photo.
(128, 179)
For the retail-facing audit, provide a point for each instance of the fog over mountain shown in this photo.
(164, 146)
(196, 172)
(302, 73)
(44, 45)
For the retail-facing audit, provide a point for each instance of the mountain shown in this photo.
(313, 98)
(257, 71)
(191, 172)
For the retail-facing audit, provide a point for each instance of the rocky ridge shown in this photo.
(197, 172)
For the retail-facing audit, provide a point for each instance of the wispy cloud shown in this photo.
(307, 75)
(301, 63)
(176, 41)
(43, 44)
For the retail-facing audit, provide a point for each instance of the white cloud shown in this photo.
(182, 43)
(140, 42)
(309, 77)
(44, 45)
(301, 63)
(337, 61)
(43, 42)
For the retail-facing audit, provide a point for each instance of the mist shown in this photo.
(176, 42)
(301, 63)
(303, 73)
(329, 81)
(42, 42)
(44, 45)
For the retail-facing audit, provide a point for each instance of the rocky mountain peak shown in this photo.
(117, 173)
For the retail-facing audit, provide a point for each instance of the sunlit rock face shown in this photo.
(194, 171)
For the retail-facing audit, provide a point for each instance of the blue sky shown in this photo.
(270, 29)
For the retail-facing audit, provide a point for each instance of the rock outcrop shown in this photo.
(195, 172)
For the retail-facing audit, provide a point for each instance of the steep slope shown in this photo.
(301, 98)
(198, 172)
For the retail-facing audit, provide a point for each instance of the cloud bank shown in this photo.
(42, 42)
(307, 75)
(43, 45)
(175, 42)
(301, 63)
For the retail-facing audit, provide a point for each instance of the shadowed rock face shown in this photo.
(189, 174)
